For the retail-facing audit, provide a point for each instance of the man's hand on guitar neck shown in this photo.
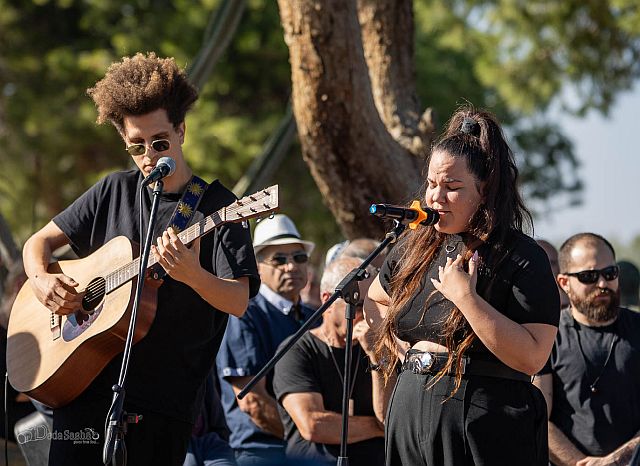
(57, 292)
(179, 261)
(230, 295)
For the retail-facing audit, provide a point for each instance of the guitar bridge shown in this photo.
(55, 323)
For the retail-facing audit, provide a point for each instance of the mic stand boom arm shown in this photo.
(348, 290)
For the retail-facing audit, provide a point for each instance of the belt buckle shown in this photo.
(422, 363)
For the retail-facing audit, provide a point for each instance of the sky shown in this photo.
(609, 152)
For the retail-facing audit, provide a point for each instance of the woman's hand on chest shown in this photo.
(454, 282)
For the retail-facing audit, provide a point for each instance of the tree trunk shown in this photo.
(351, 153)
(388, 40)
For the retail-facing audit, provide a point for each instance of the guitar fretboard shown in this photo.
(265, 201)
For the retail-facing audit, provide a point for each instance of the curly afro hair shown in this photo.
(142, 84)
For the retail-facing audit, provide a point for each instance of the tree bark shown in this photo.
(352, 156)
(388, 41)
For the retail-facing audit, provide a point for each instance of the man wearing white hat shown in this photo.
(250, 341)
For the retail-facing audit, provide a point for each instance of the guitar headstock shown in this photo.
(257, 204)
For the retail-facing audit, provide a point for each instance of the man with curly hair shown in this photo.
(146, 98)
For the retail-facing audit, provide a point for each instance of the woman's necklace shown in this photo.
(337, 366)
(593, 384)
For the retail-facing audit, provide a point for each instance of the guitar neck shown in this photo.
(260, 203)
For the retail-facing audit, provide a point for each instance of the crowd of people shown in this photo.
(473, 343)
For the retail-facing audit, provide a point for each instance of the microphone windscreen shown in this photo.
(168, 161)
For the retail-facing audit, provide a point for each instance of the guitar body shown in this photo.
(54, 358)
(55, 363)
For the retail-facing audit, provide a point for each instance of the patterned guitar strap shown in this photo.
(184, 214)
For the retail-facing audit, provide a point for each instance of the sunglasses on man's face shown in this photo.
(589, 277)
(281, 259)
(159, 145)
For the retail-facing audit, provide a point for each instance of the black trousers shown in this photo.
(489, 421)
(78, 435)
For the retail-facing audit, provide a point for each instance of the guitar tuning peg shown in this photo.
(238, 202)
(252, 198)
(266, 205)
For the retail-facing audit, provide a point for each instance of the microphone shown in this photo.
(413, 216)
(166, 166)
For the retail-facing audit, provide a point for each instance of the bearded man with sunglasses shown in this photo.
(251, 340)
(592, 380)
(146, 99)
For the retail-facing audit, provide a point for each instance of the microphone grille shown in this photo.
(168, 161)
(432, 217)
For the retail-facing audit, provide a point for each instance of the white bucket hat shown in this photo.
(278, 229)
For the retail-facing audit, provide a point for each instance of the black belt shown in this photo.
(424, 362)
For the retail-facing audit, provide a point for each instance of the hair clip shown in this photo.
(470, 126)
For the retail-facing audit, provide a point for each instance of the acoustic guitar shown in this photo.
(54, 358)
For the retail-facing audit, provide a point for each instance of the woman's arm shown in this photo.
(376, 304)
(381, 392)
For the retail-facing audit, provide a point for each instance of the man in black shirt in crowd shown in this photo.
(146, 99)
(591, 382)
(307, 382)
(629, 285)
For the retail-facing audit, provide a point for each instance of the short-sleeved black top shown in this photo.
(596, 423)
(167, 367)
(516, 279)
(309, 368)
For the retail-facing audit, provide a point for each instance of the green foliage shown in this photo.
(509, 55)
(628, 251)
(515, 57)
(54, 51)
(549, 164)
(530, 49)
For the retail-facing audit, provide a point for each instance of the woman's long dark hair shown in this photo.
(475, 136)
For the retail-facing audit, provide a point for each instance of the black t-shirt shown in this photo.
(309, 367)
(167, 367)
(517, 281)
(597, 423)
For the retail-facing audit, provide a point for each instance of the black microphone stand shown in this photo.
(115, 449)
(348, 290)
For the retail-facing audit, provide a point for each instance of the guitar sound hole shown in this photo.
(93, 295)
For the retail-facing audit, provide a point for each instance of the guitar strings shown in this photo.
(131, 269)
